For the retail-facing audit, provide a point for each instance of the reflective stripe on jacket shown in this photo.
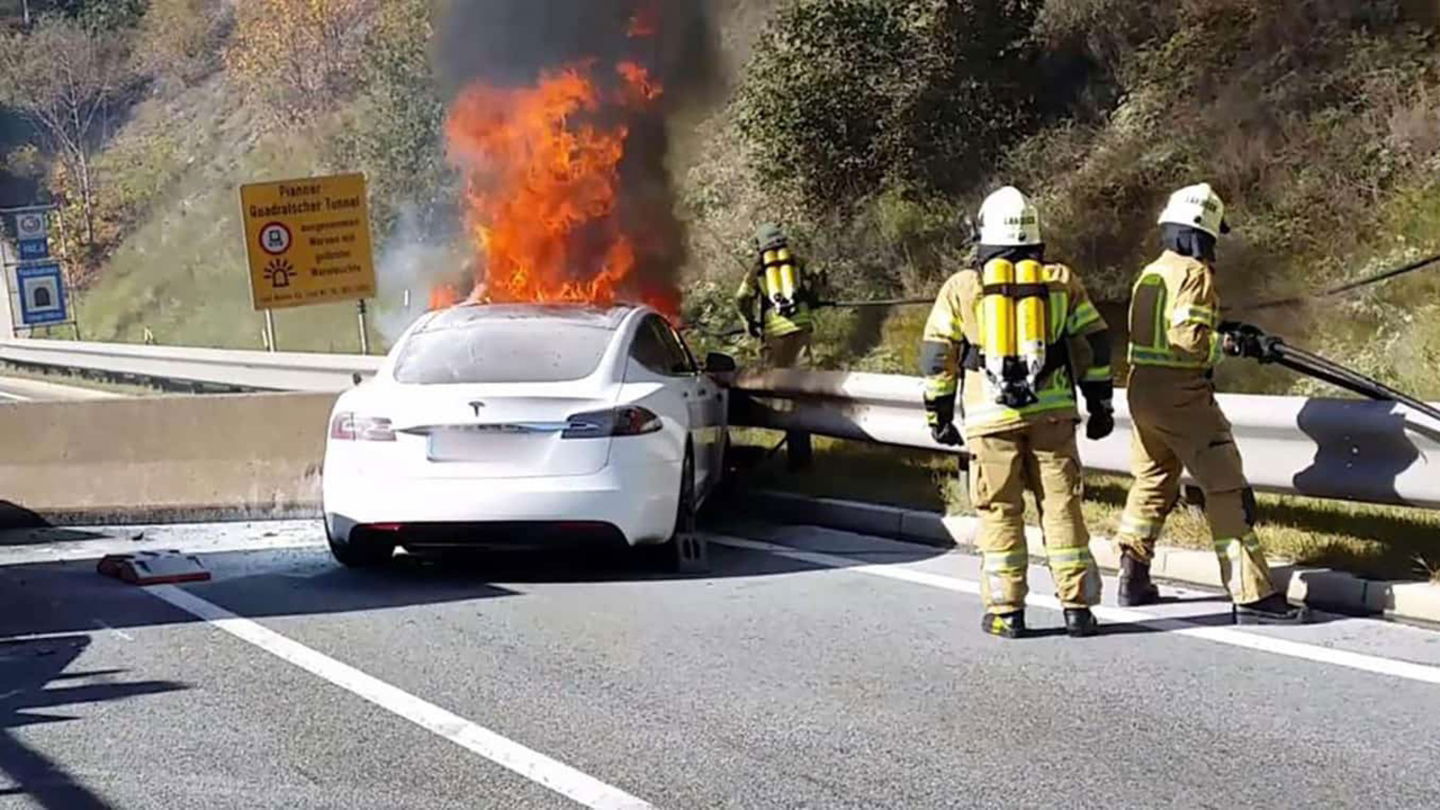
(1174, 312)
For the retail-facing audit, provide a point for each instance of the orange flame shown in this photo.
(644, 24)
(543, 183)
(444, 296)
(641, 89)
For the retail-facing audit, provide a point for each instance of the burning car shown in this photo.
(506, 422)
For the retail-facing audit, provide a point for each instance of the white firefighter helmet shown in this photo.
(1009, 219)
(1197, 206)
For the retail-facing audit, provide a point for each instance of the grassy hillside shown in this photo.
(1318, 120)
(181, 271)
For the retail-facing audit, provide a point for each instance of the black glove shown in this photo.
(1102, 421)
(1244, 340)
(754, 329)
(947, 434)
(1100, 401)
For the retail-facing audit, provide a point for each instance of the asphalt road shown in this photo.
(811, 668)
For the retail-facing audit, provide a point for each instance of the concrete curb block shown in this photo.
(1410, 601)
(1318, 587)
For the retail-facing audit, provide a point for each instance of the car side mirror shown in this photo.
(717, 363)
(356, 378)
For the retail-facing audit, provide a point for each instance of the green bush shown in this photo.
(846, 97)
(1318, 120)
(393, 130)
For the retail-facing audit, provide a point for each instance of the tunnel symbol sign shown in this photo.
(275, 238)
(42, 294)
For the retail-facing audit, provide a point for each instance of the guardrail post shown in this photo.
(799, 453)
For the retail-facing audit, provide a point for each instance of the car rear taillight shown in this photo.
(631, 420)
(348, 427)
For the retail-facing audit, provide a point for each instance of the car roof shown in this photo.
(465, 315)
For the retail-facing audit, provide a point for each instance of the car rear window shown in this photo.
(506, 345)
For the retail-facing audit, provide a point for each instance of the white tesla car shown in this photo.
(515, 423)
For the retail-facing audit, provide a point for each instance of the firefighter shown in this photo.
(1174, 346)
(1007, 339)
(777, 300)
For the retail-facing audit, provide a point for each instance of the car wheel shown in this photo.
(361, 550)
(686, 552)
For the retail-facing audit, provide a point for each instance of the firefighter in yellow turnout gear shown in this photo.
(1003, 338)
(777, 299)
(1174, 346)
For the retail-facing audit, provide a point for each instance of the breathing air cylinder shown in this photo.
(1030, 321)
(998, 318)
(782, 280)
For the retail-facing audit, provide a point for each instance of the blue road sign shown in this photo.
(31, 249)
(32, 233)
(42, 294)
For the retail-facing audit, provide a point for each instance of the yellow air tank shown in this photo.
(998, 319)
(1030, 322)
(789, 278)
(772, 274)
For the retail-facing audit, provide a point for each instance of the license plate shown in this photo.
(476, 445)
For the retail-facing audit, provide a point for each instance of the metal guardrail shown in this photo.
(1374, 452)
(263, 371)
(1354, 450)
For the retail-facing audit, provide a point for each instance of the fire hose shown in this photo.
(1250, 341)
(1417, 265)
(888, 302)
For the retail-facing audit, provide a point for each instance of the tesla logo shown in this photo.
(476, 406)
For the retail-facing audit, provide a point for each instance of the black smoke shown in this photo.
(511, 43)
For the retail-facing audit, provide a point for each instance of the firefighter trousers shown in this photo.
(787, 351)
(1040, 457)
(1176, 430)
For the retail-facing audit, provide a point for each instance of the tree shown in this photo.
(394, 130)
(844, 98)
(298, 57)
(105, 14)
(63, 76)
(180, 39)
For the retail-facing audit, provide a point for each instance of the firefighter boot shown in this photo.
(1136, 589)
(1004, 625)
(1273, 609)
(1080, 623)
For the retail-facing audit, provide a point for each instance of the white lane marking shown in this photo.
(114, 632)
(532, 765)
(59, 635)
(1220, 635)
(74, 551)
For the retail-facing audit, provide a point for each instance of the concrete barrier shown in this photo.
(162, 459)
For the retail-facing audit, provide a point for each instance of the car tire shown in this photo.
(362, 549)
(686, 552)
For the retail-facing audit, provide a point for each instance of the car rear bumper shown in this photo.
(639, 500)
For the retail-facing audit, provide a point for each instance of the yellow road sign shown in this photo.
(308, 241)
